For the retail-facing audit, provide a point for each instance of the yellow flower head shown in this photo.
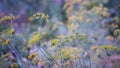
(67, 54)
(6, 42)
(14, 65)
(72, 26)
(5, 18)
(55, 42)
(117, 32)
(64, 53)
(11, 31)
(71, 53)
(34, 39)
(33, 55)
(41, 16)
(60, 37)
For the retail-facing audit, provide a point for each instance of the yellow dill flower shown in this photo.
(32, 62)
(110, 49)
(33, 55)
(55, 42)
(11, 31)
(64, 53)
(63, 50)
(14, 65)
(5, 18)
(71, 53)
(73, 50)
(117, 32)
(37, 15)
(34, 39)
(6, 42)
(41, 16)
(60, 37)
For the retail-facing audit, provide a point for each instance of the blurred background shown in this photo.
(100, 30)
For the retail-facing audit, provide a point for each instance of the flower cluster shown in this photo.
(34, 39)
(101, 10)
(117, 32)
(12, 31)
(69, 53)
(14, 65)
(72, 26)
(55, 42)
(41, 16)
(33, 55)
(110, 49)
(6, 42)
(5, 18)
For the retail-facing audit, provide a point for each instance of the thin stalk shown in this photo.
(89, 60)
(76, 63)
(61, 58)
(16, 55)
(80, 66)
(105, 63)
(45, 55)
(50, 56)
(82, 61)
(71, 64)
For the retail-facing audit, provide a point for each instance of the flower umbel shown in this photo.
(11, 31)
(31, 56)
(55, 42)
(34, 39)
(5, 18)
(14, 65)
(6, 42)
